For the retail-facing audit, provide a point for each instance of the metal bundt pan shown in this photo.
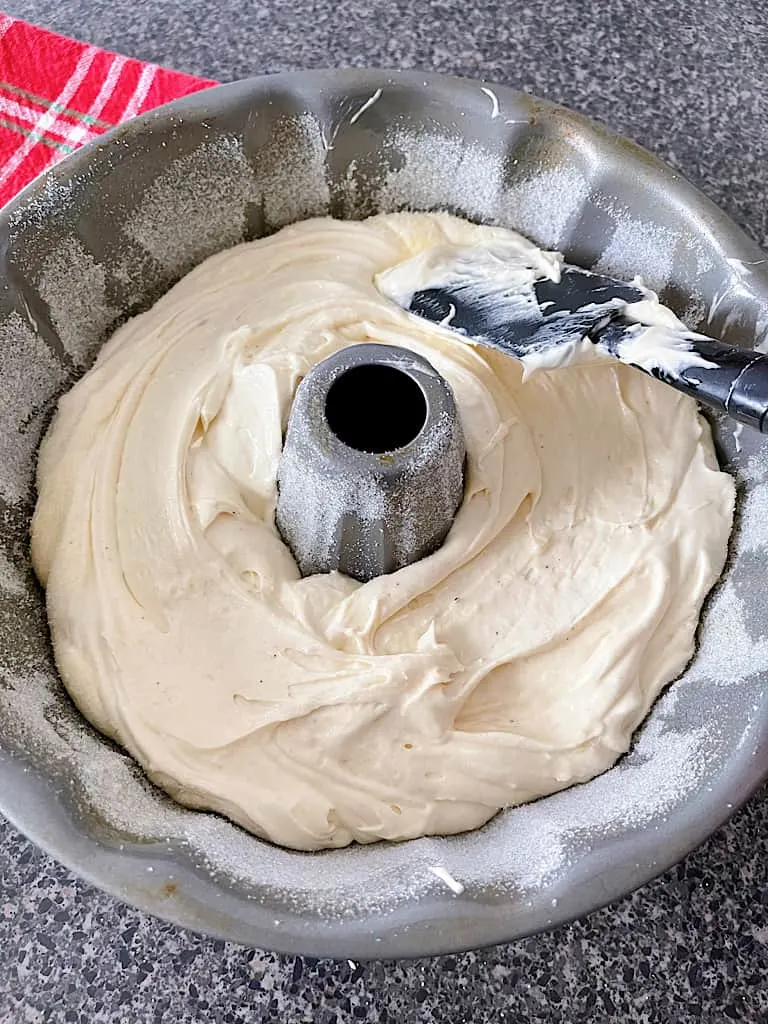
(103, 235)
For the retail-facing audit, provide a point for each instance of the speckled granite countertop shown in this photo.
(688, 80)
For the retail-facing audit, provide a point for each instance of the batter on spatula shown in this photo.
(514, 661)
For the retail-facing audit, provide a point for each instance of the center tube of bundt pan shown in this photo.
(372, 471)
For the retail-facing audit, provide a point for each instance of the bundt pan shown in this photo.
(101, 236)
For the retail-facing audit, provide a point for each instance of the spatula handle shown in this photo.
(736, 383)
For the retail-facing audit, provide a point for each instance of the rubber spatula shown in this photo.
(586, 306)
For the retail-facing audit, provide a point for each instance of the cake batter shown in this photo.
(515, 661)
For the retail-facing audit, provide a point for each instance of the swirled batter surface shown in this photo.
(516, 660)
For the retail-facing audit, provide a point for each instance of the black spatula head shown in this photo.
(549, 313)
(540, 317)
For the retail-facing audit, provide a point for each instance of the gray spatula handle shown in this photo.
(736, 383)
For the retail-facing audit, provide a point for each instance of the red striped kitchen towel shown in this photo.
(56, 94)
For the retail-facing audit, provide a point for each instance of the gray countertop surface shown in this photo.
(689, 80)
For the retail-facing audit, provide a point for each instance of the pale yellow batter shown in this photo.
(516, 660)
